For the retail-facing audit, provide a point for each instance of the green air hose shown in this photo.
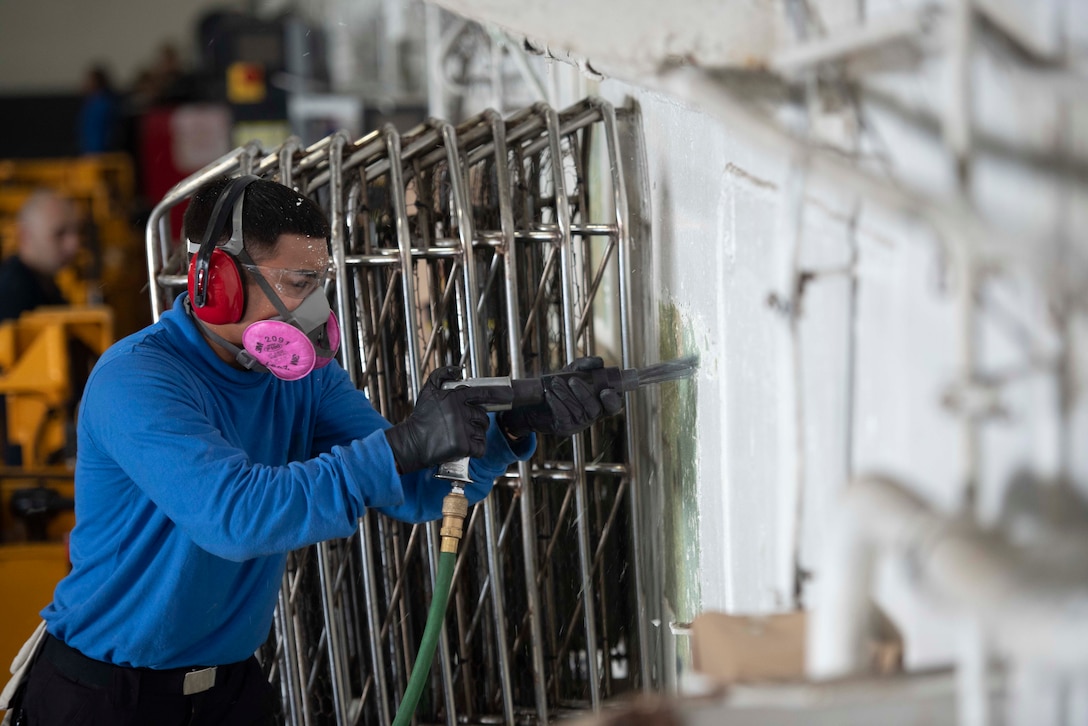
(454, 508)
(427, 645)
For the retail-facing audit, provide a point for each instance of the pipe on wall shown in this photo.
(1029, 602)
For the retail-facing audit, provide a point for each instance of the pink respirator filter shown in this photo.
(286, 351)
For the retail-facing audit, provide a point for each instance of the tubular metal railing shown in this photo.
(500, 245)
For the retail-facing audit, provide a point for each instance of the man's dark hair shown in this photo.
(270, 209)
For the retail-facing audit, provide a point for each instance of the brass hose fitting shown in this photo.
(454, 511)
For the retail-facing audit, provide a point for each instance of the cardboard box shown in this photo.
(748, 648)
(760, 648)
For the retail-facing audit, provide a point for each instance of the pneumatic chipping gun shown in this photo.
(530, 391)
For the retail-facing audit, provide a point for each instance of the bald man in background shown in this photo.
(48, 234)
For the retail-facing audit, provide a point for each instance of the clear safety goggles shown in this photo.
(293, 284)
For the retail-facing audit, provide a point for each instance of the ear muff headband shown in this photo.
(215, 283)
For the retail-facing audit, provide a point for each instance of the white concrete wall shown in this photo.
(723, 237)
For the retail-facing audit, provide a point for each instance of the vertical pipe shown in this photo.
(791, 405)
(533, 203)
(1065, 376)
(333, 634)
(372, 535)
(436, 92)
(562, 213)
(851, 344)
(389, 60)
(411, 320)
(446, 660)
(248, 157)
(956, 128)
(366, 536)
(495, 75)
(972, 676)
(478, 367)
(302, 557)
(404, 244)
(791, 402)
(373, 619)
(465, 232)
(835, 636)
(956, 122)
(153, 237)
(850, 387)
(337, 241)
(494, 565)
(351, 327)
(397, 620)
(287, 160)
(513, 317)
(334, 638)
(630, 358)
(968, 349)
(290, 692)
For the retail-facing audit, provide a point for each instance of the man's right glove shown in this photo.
(446, 424)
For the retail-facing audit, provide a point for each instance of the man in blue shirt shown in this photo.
(219, 439)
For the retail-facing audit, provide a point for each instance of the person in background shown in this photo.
(48, 239)
(99, 116)
(219, 439)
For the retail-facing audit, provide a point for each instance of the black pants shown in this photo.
(59, 693)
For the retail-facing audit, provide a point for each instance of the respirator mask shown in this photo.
(295, 342)
(289, 345)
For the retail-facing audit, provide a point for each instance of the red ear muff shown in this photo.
(224, 290)
(216, 288)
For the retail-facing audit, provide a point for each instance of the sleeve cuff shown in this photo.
(374, 464)
(499, 445)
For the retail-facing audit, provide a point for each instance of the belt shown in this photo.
(91, 672)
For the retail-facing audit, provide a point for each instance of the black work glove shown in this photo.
(446, 424)
(570, 405)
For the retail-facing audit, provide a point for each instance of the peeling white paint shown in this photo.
(638, 33)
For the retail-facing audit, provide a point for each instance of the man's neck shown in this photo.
(209, 332)
(225, 354)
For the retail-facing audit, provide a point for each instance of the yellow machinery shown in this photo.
(44, 359)
(45, 356)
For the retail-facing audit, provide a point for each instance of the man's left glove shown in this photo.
(570, 405)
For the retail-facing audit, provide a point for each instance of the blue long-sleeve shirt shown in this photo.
(193, 481)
